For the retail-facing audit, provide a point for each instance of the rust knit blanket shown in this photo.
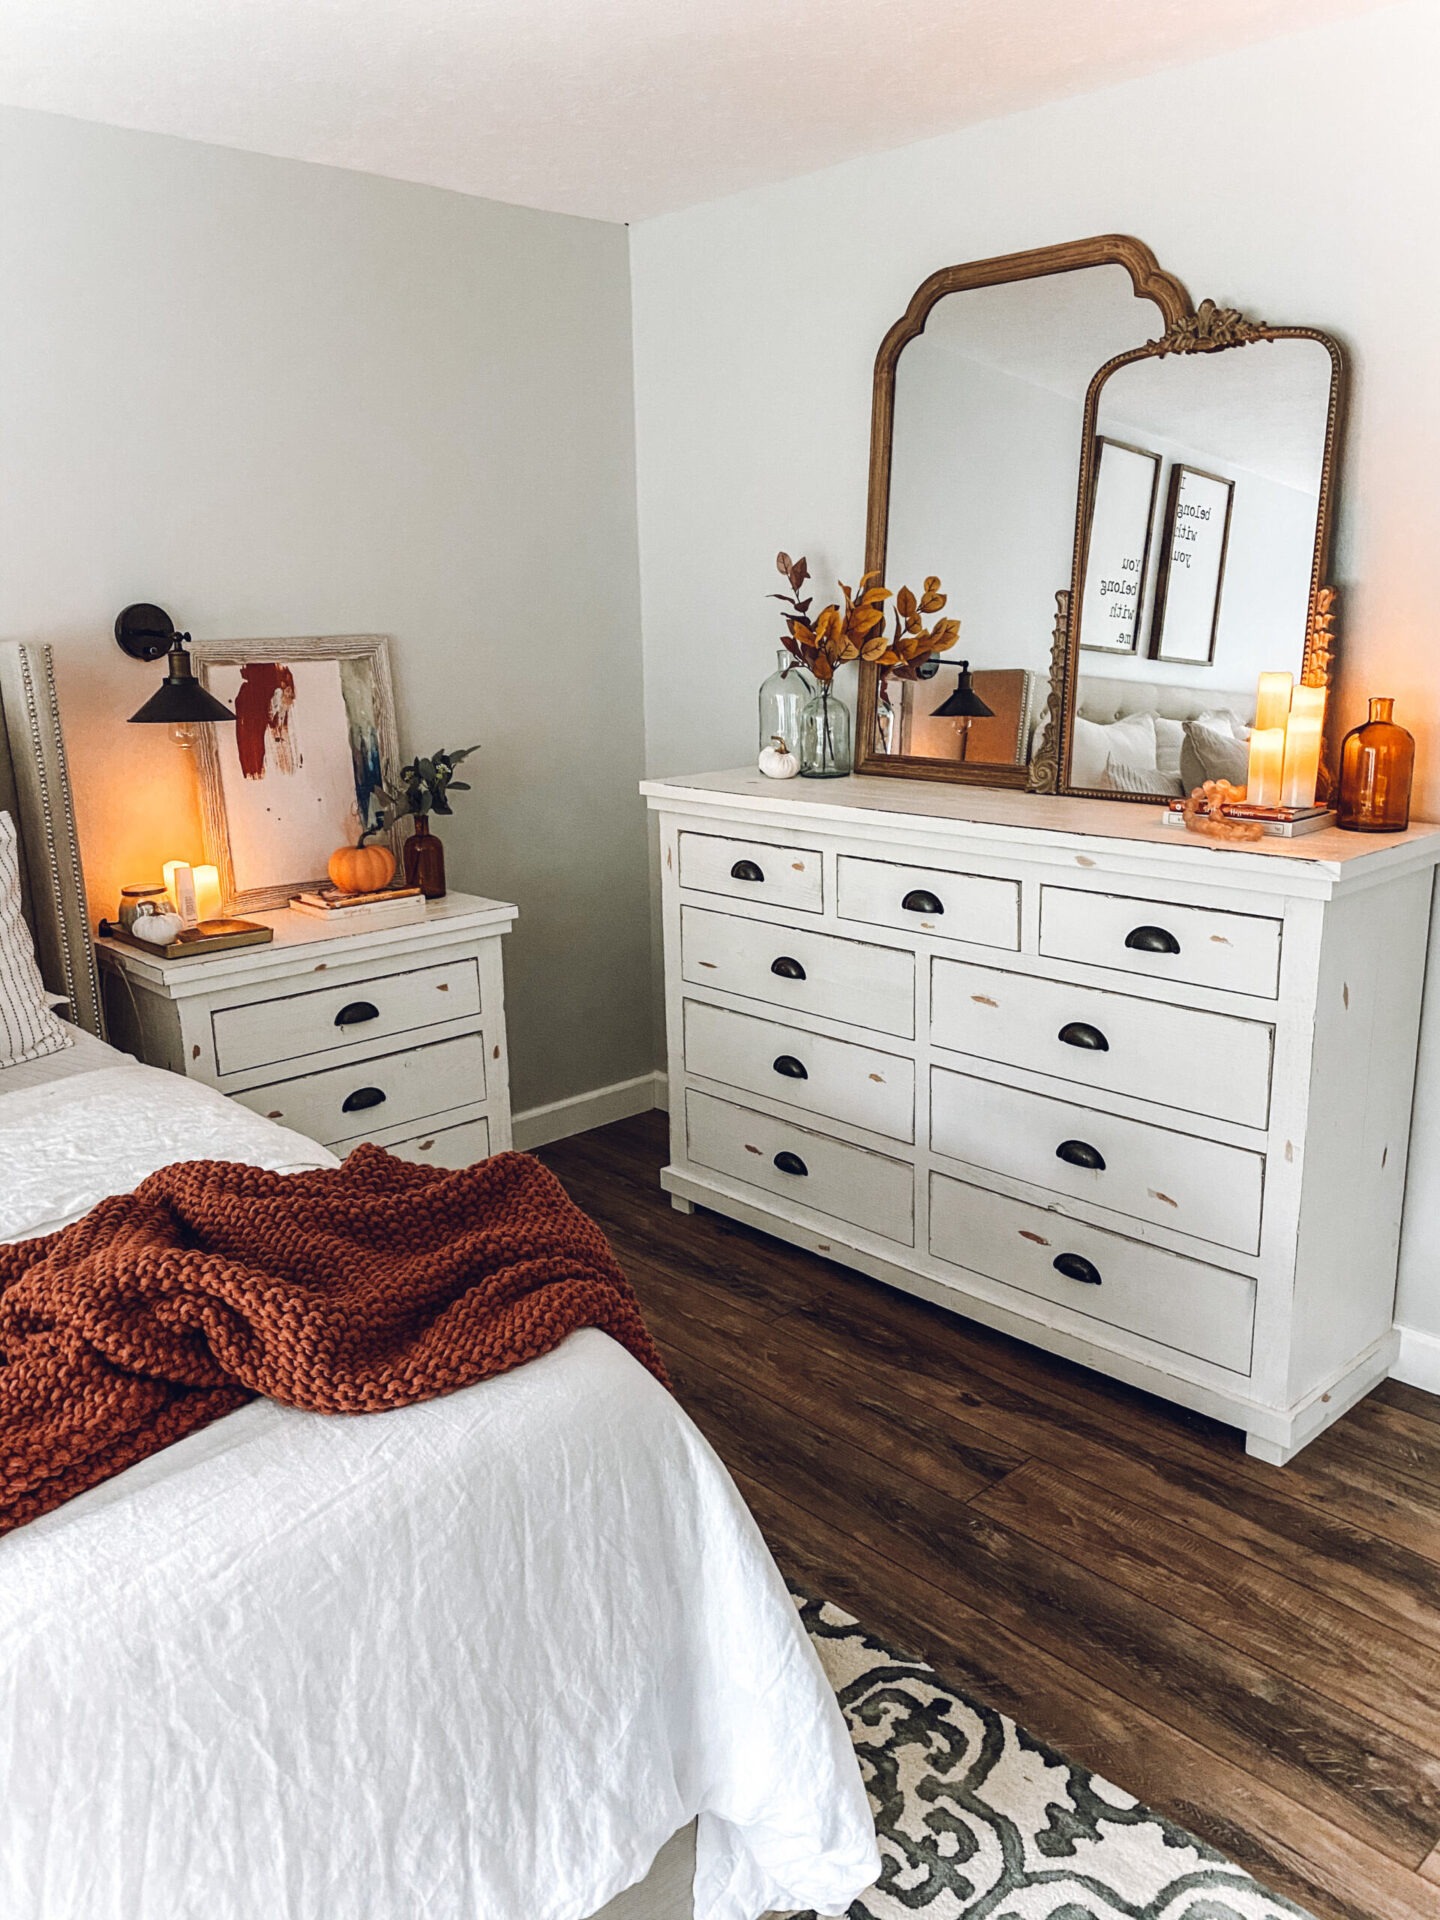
(349, 1290)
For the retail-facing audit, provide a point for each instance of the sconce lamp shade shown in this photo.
(964, 703)
(145, 632)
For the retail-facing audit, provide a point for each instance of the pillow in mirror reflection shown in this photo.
(1169, 736)
(1212, 753)
(1129, 742)
(1122, 779)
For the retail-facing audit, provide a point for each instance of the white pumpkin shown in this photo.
(157, 929)
(776, 761)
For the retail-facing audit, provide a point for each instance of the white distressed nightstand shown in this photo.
(395, 1036)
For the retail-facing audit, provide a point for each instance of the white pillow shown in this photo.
(1141, 780)
(1169, 738)
(28, 1029)
(1129, 741)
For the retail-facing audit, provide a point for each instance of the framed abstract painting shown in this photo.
(295, 777)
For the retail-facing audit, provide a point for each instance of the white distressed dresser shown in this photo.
(1136, 1097)
(395, 1035)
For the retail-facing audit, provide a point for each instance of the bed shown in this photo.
(518, 1653)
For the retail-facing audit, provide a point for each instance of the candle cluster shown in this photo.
(195, 891)
(1285, 743)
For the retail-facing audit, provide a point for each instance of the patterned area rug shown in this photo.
(978, 1821)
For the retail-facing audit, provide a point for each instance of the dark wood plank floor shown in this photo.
(1254, 1650)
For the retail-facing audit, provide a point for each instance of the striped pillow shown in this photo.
(28, 1029)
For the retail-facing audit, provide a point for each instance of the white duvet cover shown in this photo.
(474, 1660)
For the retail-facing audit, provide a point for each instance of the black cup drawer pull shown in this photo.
(922, 902)
(746, 870)
(1080, 1153)
(1075, 1033)
(787, 968)
(1151, 940)
(790, 1163)
(356, 1012)
(1075, 1267)
(361, 1098)
(792, 1068)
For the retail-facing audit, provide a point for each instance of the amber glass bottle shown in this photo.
(1377, 762)
(425, 860)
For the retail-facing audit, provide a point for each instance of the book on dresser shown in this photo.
(1050, 1063)
(391, 1032)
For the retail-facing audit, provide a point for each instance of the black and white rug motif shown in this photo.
(979, 1821)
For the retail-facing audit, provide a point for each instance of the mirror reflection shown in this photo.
(988, 411)
(1200, 553)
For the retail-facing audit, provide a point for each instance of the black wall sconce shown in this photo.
(964, 705)
(146, 632)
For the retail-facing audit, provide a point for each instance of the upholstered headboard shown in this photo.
(35, 791)
(1105, 698)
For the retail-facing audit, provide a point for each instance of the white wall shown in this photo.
(281, 399)
(1299, 181)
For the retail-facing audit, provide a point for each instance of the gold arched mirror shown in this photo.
(976, 433)
(1202, 544)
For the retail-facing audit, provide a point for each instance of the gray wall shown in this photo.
(282, 399)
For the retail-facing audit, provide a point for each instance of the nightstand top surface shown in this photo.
(298, 934)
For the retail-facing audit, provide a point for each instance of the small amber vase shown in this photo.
(425, 860)
(1377, 763)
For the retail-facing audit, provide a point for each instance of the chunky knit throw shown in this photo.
(349, 1290)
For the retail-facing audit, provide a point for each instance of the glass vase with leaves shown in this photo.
(837, 635)
(424, 787)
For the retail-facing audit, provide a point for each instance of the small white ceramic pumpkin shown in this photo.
(776, 761)
(157, 929)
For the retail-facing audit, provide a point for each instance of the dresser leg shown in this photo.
(1270, 1451)
(681, 1204)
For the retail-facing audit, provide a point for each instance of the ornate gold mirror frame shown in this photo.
(1150, 282)
(1210, 329)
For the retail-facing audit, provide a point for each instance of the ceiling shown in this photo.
(619, 109)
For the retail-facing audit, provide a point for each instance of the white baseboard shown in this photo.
(538, 1126)
(1418, 1362)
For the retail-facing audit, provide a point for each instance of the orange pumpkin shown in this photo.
(361, 869)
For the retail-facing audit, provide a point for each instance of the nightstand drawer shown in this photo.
(847, 980)
(263, 1033)
(1175, 1302)
(458, 1146)
(831, 1078)
(802, 1168)
(342, 1104)
(1237, 952)
(752, 870)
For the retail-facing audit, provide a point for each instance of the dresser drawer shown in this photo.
(458, 1146)
(752, 870)
(1174, 1302)
(365, 1096)
(828, 1077)
(952, 906)
(262, 1033)
(1210, 1063)
(1201, 1187)
(802, 1168)
(1237, 952)
(846, 980)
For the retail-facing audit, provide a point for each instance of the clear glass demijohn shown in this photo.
(782, 701)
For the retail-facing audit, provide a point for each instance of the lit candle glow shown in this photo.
(1302, 747)
(207, 892)
(1272, 701)
(1267, 764)
(180, 885)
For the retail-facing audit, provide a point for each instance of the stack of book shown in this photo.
(1285, 822)
(363, 912)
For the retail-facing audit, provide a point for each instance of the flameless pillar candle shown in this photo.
(1267, 762)
(1302, 747)
(180, 885)
(1272, 702)
(207, 892)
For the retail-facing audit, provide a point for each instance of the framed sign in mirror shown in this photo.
(976, 433)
